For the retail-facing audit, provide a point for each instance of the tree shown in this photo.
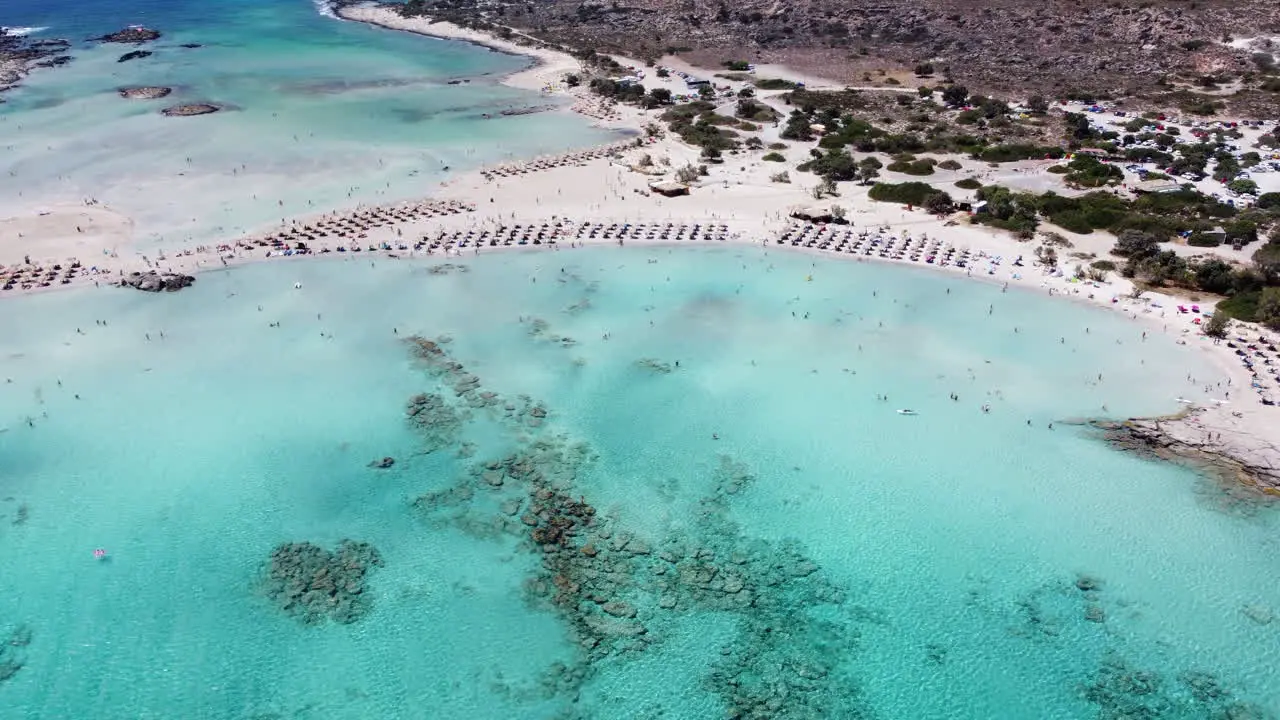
(797, 127)
(1077, 126)
(938, 203)
(1243, 187)
(1215, 276)
(687, 174)
(1217, 325)
(1038, 105)
(1269, 308)
(924, 92)
(706, 93)
(836, 165)
(955, 95)
(572, 80)
(1136, 244)
(825, 188)
(1267, 260)
(658, 97)
(664, 73)
(924, 69)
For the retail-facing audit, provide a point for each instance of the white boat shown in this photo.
(907, 412)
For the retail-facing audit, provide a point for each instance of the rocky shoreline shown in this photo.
(1180, 439)
(18, 56)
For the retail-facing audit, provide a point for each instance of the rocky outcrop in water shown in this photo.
(130, 35)
(144, 93)
(190, 110)
(135, 55)
(312, 584)
(1173, 440)
(383, 463)
(155, 282)
(18, 54)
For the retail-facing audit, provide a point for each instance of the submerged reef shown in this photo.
(12, 652)
(312, 584)
(1120, 690)
(614, 588)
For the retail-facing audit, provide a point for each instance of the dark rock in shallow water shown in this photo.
(383, 464)
(58, 61)
(135, 55)
(134, 34)
(191, 46)
(155, 282)
(312, 584)
(189, 110)
(11, 660)
(144, 93)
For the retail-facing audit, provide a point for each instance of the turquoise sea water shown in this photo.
(320, 114)
(790, 545)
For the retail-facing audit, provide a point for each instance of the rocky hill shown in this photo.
(995, 45)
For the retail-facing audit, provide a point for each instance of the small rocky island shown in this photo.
(135, 55)
(144, 93)
(155, 282)
(189, 110)
(133, 34)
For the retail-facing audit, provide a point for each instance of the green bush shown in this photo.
(1057, 169)
(774, 157)
(949, 165)
(1242, 305)
(1019, 151)
(1201, 240)
(908, 193)
(775, 84)
(913, 167)
(968, 184)
(1104, 265)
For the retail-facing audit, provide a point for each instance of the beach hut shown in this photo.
(669, 188)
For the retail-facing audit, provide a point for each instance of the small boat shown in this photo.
(907, 412)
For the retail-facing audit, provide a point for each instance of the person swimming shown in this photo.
(99, 554)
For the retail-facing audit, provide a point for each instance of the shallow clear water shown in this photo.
(866, 564)
(320, 114)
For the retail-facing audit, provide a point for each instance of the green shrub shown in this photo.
(775, 84)
(912, 167)
(1201, 240)
(1057, 169)
(949, 165)
(1242, 305)
(774, 157)
(908, 193)
(968, 184)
